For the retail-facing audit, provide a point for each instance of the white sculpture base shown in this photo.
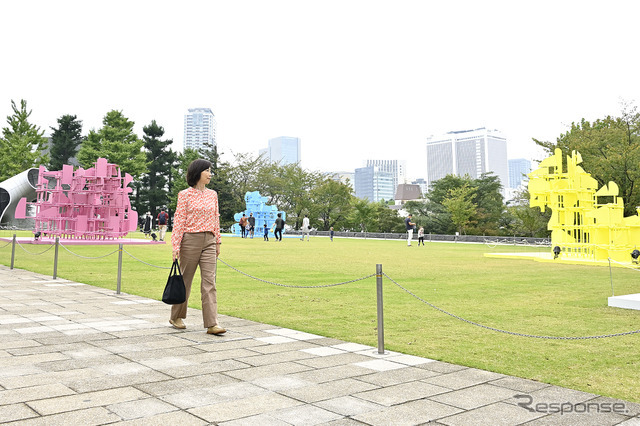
(628, 301)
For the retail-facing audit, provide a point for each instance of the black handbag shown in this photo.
(174, 291)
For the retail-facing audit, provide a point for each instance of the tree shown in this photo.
(330, 204)
(116, 142)
(610, 150)
(22, 143)
(154, 190)
(387, 220)
(461, 207)
(65, 141)
(362, 215)
(489, 204)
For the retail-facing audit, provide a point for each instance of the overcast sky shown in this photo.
(352, 79)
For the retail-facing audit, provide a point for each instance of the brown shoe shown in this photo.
(216, 330)
(178, 323)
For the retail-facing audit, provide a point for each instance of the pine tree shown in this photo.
(116, 142)
(65, 141)
(154, 191)
(22, 143)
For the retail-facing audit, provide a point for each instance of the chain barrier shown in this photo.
(626, 266)
(510, 332)
(295, 286)
(9, 242)
(142, 261)
(35, 254)
(87, 257)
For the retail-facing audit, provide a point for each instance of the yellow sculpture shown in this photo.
(587, 223)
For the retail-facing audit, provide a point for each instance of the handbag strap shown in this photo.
(175, 268)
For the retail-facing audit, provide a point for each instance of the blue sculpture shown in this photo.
(263, 213)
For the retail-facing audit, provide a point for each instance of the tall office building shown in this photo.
(283, 150)
(395, 167)
(199, 129)
(373, 184)
(471, 152)
(518, 171)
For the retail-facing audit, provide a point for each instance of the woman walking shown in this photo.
(196, 242)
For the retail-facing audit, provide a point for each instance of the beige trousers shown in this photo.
(199, 249)
(162, 229)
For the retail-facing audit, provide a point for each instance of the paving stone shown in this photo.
(398, 394)
(305, 415)
(270, 359)
(411, 413)
(519, 384)
(86, 400)
(494, 414)
(261, 404)
(259, 420)
(397, 376)
(13, 412)
(349, 405)
(88, 417)
(14, 396)
(192, 398)
(280, 383)
(220, 355)
(226, 366)
(141, 408)
(47, 378)
(200, 381)
(321, 375)
(474, 397)
(181, 418)
(328, 390)
(101, 382)
(293, 345)
(333, 360)
(463, 378)
(250, 374)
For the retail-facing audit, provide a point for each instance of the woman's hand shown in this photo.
(218, 249)
(175, 254)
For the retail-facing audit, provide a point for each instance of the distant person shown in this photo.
(163, 218)
(421, 236)
(331, 233)
(279, 226)
(266, 232)
(252, 224)
(410, 227)
(305, 228)
(148, 224)
(196, 241)
(243, 225)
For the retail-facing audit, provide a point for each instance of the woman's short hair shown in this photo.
(195, 169)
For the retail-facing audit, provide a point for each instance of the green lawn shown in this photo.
(516, 295)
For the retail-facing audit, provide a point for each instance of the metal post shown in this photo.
(610, 277)
(13, 250)
(55, 259)
(119, 269)
(380, 316)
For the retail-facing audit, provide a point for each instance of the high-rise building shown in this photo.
(283, 150)
(374, 184)
(467, 152)
(518, 170)
(424, 188)
(397, 168)
(199, 129)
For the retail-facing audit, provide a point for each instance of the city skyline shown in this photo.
(385, 78)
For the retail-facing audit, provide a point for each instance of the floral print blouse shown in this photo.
(197, 211)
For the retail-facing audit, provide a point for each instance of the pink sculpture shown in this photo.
(90, 204)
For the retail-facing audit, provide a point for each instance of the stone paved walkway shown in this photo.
(76, 354)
